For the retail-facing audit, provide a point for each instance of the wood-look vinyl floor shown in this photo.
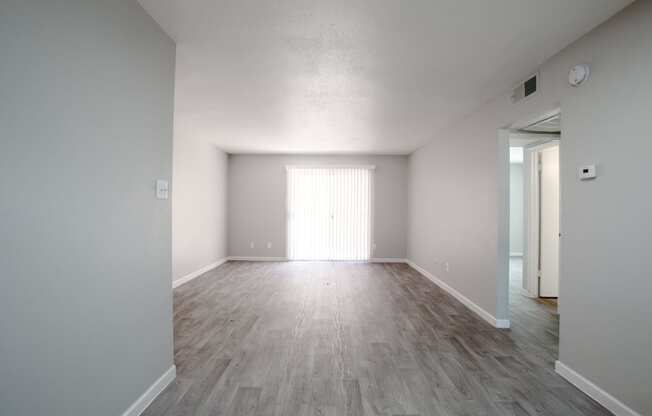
(299, 338)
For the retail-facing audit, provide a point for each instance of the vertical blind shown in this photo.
(329, 213)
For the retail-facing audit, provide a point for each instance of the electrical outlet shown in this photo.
(373, 247)
(269, 244)
(251, 244)
(447, 266)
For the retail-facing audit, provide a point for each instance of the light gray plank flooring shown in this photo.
(300, 338)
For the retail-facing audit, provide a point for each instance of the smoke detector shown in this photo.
(578, 75)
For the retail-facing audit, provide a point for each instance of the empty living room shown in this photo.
(325, 208)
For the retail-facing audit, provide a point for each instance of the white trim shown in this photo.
(543, 144)
(502, 323)
(253, 258)
(151, 393)
(517, 126)
(185, 279)
(287, 212)
(387, 260)
(527, 294)
(372, 260)
(502, 227)
(326, 166)
(372, 214)
(244, 151)
(531, 223)
(498, 323)
(614, 405)
(515, 254)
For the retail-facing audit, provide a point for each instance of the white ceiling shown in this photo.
(372, 76)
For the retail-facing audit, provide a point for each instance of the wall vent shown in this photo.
(525, 88)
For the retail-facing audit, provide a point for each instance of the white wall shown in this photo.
(516, 209)
(198, 206)
(85, 130)
(606, 334)
(257, 202)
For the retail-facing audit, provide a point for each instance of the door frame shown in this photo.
(502, 208)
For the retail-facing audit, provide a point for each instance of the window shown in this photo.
(329, 212)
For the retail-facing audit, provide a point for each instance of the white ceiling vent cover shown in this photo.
(526, 88)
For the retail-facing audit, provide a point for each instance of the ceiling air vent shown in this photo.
(525, 89)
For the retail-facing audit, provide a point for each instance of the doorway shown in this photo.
(329, 212)
(534, 217)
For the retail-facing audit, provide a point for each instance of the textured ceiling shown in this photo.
(375, 76)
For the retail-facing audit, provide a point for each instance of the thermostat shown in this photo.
(587, 172)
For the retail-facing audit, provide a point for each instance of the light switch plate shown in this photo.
(162, 189)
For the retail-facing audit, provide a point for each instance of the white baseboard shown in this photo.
(197, 273)
(151, 393)
(527, 294)
(253, 258)
(372, 260)
(387, 260)
(515, 254)
(614, 405)
(501, 323)
(497, 323)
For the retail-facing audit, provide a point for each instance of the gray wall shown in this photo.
(516, 234)
(85, 128)
(606, 333)
(198, 205)
(257, 202)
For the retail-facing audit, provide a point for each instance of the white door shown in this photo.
(329, 213)
(549, 234)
